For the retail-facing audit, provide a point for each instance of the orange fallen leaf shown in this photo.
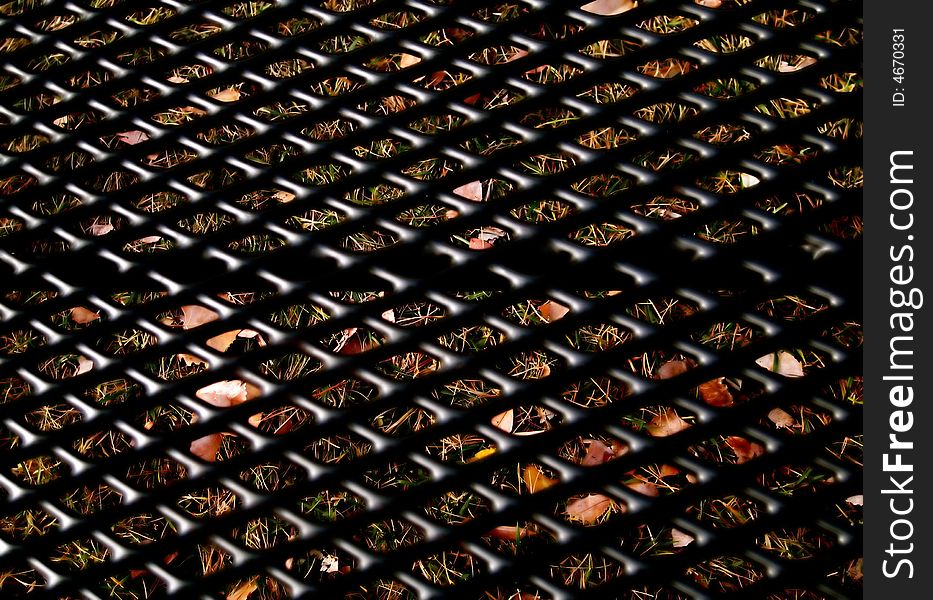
(283, 196)
(256, 419)
(408, 60)
(223, 341)
(744, 449)
(509, 532)
(552, 311)
(709, 3)
(668, 422)
(83, 316)
(243, 591)
(599, 452)
(132, 137)
(195, 316)
(226, 95)
(207, 447)
(194, 110)
(680, 538)
(504, 421)
(609, 7)
(589, 508)
(672, 368)
(782, 363)
(228, 393)
(478, 244)
(715, 393)
(782, 418)
(535, 479)
(471, 191)
(645, 488)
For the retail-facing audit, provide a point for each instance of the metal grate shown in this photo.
(430, 299)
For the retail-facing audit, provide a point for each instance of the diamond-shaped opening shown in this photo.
(263, 533)
(273, 475)
(403, 421)
(601, 235)
(472, 338)
(298, 316)
(103, 444)
(523, 478)
(457, 506)
(726, 43)
(449, 567)
(725, 574)
(281, 420)
(388, 105)
(729, 449)
(396, 477)
(595, 392)
(727, 335)
(466, 393)
(408, 366)
(796, 479)
(193, 561)
(154, 473)
(131, 583)
(344, 393)
(369, 240)
(481, 238)
(660, 420)
(651, 364)
(291, 366)
(52, 417)
(382, 588)
(534, 364)
(666, 113)
(796, 543)
(79, 555)
(526, 420)
(39, 470)
(209, 502)
(142, 529)
(389, 535)
(598, 337)
(590, 509)
(461, 448)
(658, 479)
(415, 314)
(518, 538)
(668, 23)
(653, 540)
(608, 92)
(319, 566)
(585, 571)
(331, 505)
(592, 450)
(26, 524)
(796, 419)
(26, 579)
(353, 340)
(725, 512)
(339, 448)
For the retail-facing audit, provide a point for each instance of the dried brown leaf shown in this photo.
(195, 316)
(744, 449)
(609, 7)
(478, 244)
(83, 316)
(716, 393)
(535, 479)
(223, 341)
(672, 368)
(668, 422)
(408, 60)
(283, 196)
(598, 452)
(509, 532)
(589, 508)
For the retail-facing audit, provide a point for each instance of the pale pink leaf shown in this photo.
(99, 229)
(782, 418)
(749, 180)
(149, 239)
(283, 196)
(609, 7)
(223, 341)
(672, 368)
(504, 421)
(176, 79)
(709, 3)
(471, 191)
(191, 359)
(597, 453)
(668, 422)
(84, 365)
(223, 393)
(479, 244)
(856, 500)
(226, 95)
(83, 316)
(133, 137)
(207, 447)
(509, 532)
(782, 363)
(786, 67)
(644, 487)
(680, 538)
(195, 316)
(589, 508)
(408, 60)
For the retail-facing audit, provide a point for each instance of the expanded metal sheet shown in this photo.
(430, 299)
